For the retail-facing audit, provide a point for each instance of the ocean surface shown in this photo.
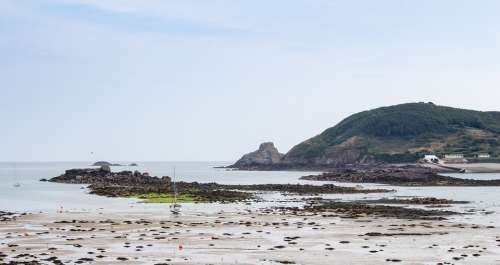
(31, 195)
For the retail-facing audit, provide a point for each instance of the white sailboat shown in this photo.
(175, 207)
(17, 184)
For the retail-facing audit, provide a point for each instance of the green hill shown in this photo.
(401, 133)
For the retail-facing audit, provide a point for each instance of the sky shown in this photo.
(198, 80)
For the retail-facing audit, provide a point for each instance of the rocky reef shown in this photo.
(354, 210)
(102, 181)
(134, 184)
(105, 175)
(304, 189)
(415, 201)
(408, 175)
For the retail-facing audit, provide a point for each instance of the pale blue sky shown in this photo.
(210, 80)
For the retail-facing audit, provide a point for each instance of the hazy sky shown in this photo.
(210, 80)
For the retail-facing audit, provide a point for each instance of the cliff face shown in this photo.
(351, 151)
(267, 155)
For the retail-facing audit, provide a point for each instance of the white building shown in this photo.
(454, 156)
(431, 159)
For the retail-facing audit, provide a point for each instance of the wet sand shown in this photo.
(247, 237)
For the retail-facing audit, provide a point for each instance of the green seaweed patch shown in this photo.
(167, 198)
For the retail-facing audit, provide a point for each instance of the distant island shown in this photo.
(105, 163)
(404, 133)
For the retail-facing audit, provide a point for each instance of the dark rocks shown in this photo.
(106, 168)
(356, 210)
(415, 201)
(7, 216)
(304, 189)
(409, 175)
(104, 182)
(127, 183)
(104, 175)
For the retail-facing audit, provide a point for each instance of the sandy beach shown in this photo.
(246, 237)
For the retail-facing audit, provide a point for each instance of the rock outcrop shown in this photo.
(104, 182)
(266, 156)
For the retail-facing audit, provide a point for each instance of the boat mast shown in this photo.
(175, 190)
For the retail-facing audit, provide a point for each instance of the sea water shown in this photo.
(32, 195)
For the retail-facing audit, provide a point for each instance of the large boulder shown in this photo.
(267, 155)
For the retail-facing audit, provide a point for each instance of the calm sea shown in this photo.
(32, 195)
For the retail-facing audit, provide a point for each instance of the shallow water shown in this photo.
(33, 195)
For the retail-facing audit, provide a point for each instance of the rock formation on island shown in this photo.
(105, 163)
(267, 156)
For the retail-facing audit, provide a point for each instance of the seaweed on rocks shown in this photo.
(415, 201)
(357, 210)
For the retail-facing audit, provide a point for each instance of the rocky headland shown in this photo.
(388, 135)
